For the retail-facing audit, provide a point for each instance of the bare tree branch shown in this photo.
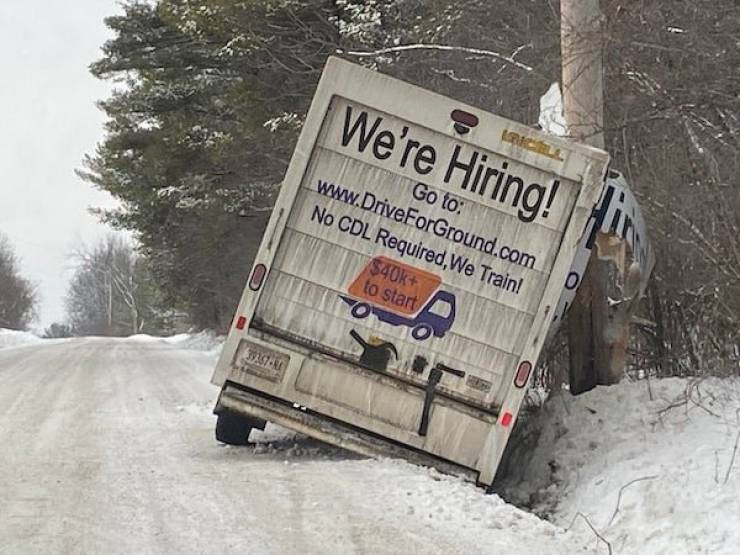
(439, 47)
(621, 490)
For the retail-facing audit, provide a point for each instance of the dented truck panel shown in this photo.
(413, 262)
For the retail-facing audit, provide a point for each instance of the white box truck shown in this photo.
(407, 277)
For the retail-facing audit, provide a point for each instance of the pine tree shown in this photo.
(188, 152)
(201, 131)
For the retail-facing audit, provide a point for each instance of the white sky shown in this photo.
(48, 122)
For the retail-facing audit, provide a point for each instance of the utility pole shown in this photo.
(581, 36)
(599, 320)
(583, 108)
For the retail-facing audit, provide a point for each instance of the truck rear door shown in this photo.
(409, 220)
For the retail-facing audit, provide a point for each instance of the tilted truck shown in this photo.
(407, 277)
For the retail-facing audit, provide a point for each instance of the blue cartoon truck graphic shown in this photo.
(402, 295)
(435, 318)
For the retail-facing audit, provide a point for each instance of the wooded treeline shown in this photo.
(112, 293)
(210, 96)
(18, 297)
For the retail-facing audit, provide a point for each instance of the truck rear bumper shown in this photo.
(357, 408)
(253, 403)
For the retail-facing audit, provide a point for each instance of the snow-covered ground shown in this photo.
(206, 341)
(12, 338)
(653, 470)
(106, 445)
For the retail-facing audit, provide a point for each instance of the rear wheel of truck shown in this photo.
(234, 429)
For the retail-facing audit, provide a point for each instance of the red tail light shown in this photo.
(258, 276)
(506, 419)
(522, 374)
(241, 322)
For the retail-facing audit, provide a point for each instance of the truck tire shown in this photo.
(233, 429)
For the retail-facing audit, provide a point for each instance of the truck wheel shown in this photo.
(421, 332)
(361, 310)
(232, 429)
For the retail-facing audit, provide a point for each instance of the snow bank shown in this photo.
(653, 470)
(206, 341)
(202, 341)
(12, 338)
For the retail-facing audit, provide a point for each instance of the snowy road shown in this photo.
(107, 446)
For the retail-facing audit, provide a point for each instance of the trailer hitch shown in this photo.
(435, 375)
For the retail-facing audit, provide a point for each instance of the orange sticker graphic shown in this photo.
(395, 286)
